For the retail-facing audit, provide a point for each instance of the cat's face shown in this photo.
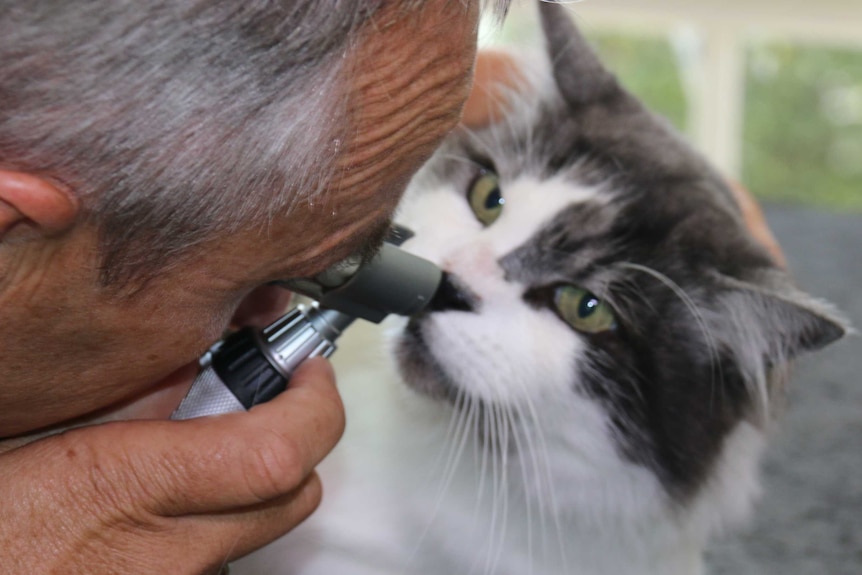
(604, 297)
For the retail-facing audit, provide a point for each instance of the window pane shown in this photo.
(647, 66)
(645, 62)
(803, 124)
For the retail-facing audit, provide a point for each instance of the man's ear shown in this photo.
(496, 74)
(32, 206)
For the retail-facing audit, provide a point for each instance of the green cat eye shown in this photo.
(583, 311)
(485, 198)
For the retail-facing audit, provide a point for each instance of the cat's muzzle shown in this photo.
(453, 295)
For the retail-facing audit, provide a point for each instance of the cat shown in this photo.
(591, 388)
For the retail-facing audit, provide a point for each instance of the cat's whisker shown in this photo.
(461, 160)
(626, 389)
(509, 126)
(510, 424)
(465, 415)
(709, 340)
(450, 429)
(485, 433)
(483, 427)
(480, 461)
(479, 142)
(538, 477)
(623, 291)
(503, 502)
(499, 486)
(482, 430)
(518, 427)
(503, 438)
(541, 467)
(546, 467)
(493, 440)
(505, 99)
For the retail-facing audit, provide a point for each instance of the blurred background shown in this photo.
(771, 91)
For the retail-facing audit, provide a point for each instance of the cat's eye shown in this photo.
(485, 198)
(584, 311)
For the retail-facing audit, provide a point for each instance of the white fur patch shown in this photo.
(508, 343)
(445, 225)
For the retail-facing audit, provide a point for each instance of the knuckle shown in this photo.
(276, 466)
(101, 484)
(92, 480)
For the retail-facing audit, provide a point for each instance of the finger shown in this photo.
(236, 534)
(260, 455)
(197, 544)
(157, 402)
(210, 464)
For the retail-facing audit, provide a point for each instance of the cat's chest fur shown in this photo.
(405, 493)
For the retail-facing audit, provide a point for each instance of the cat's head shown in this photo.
(603, 294)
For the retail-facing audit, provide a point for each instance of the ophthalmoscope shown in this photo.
(252, 366)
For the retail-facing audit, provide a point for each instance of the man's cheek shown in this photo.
(157, 401)
(261, 307)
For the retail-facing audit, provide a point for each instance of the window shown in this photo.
(771, 91)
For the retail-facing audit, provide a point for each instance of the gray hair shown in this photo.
(175, 120)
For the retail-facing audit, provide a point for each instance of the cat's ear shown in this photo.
(780, 322)
(580, 76)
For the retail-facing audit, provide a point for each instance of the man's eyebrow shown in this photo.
(373, 240)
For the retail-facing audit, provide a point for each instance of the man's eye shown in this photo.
(485, 198)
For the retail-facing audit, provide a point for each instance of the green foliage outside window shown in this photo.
(802, 135)
(646, 65)
(803, 124)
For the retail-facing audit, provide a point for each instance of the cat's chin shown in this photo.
(419, 368)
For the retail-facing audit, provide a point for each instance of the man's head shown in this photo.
(159, 160)
(175, 121)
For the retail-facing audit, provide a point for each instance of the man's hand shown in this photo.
(178, 497)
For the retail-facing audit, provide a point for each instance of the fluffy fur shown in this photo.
(525, 445)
